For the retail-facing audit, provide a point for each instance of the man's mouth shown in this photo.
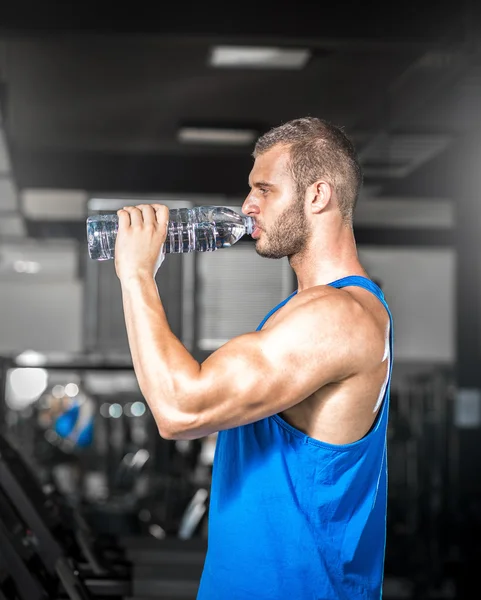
(256, 233)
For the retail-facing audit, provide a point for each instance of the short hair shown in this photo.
(318, 150)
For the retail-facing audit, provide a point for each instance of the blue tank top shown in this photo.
(295, 518)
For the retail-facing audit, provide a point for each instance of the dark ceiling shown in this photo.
(94, 100)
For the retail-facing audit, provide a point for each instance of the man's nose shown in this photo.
(249, 206)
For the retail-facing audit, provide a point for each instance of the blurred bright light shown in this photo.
(71, 389)
(58, 391)
(210, 135)
(137, 409)
(259, 57)
(157, 531)
(105, 410)
(30, 358)
(26, 386)
(26, 266)
(115, 411)
(140, 458)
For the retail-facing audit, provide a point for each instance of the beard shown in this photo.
(288, 235)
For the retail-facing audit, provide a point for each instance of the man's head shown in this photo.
(318, 151)
(302, 160)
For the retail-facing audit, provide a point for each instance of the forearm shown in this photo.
(165, 370)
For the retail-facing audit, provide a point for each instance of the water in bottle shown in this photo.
(199, 229)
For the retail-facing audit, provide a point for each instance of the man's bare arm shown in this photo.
(326, 338)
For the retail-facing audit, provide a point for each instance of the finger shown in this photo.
(161, 213)
(124, 218)
(136, 218)
(148, 214)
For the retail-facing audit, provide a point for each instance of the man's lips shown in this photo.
(256, 233)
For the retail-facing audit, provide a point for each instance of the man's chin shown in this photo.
(266, 253)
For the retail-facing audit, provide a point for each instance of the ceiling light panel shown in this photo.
(258, 57)
(217, 136)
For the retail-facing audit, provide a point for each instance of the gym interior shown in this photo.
(99, 110)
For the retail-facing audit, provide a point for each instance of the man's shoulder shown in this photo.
(322, 299)
(355, 309)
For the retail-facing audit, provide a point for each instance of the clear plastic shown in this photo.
(199, 229)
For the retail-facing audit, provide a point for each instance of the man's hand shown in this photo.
(139, 247)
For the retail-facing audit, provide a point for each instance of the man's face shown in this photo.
(282, 226)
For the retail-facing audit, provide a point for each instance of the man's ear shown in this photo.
(319, 194)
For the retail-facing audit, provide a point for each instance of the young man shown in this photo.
(298, 499)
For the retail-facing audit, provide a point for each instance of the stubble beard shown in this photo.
(288, 235)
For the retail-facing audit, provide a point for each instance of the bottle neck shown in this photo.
(249, 225)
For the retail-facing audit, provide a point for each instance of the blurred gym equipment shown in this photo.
(71, 557)
(422, 441)
(47, 517)
(133, 529)
(27, 577)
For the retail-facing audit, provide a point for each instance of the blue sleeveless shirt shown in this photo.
(295, 518)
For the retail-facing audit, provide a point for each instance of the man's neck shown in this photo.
(323, 263)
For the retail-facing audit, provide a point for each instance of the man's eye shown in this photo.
(264, 190)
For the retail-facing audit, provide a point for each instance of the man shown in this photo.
(298, 498)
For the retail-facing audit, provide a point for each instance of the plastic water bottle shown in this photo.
(199, 229)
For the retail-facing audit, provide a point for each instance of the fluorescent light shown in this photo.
(30, 358)
(258, 57)
(207, 135)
